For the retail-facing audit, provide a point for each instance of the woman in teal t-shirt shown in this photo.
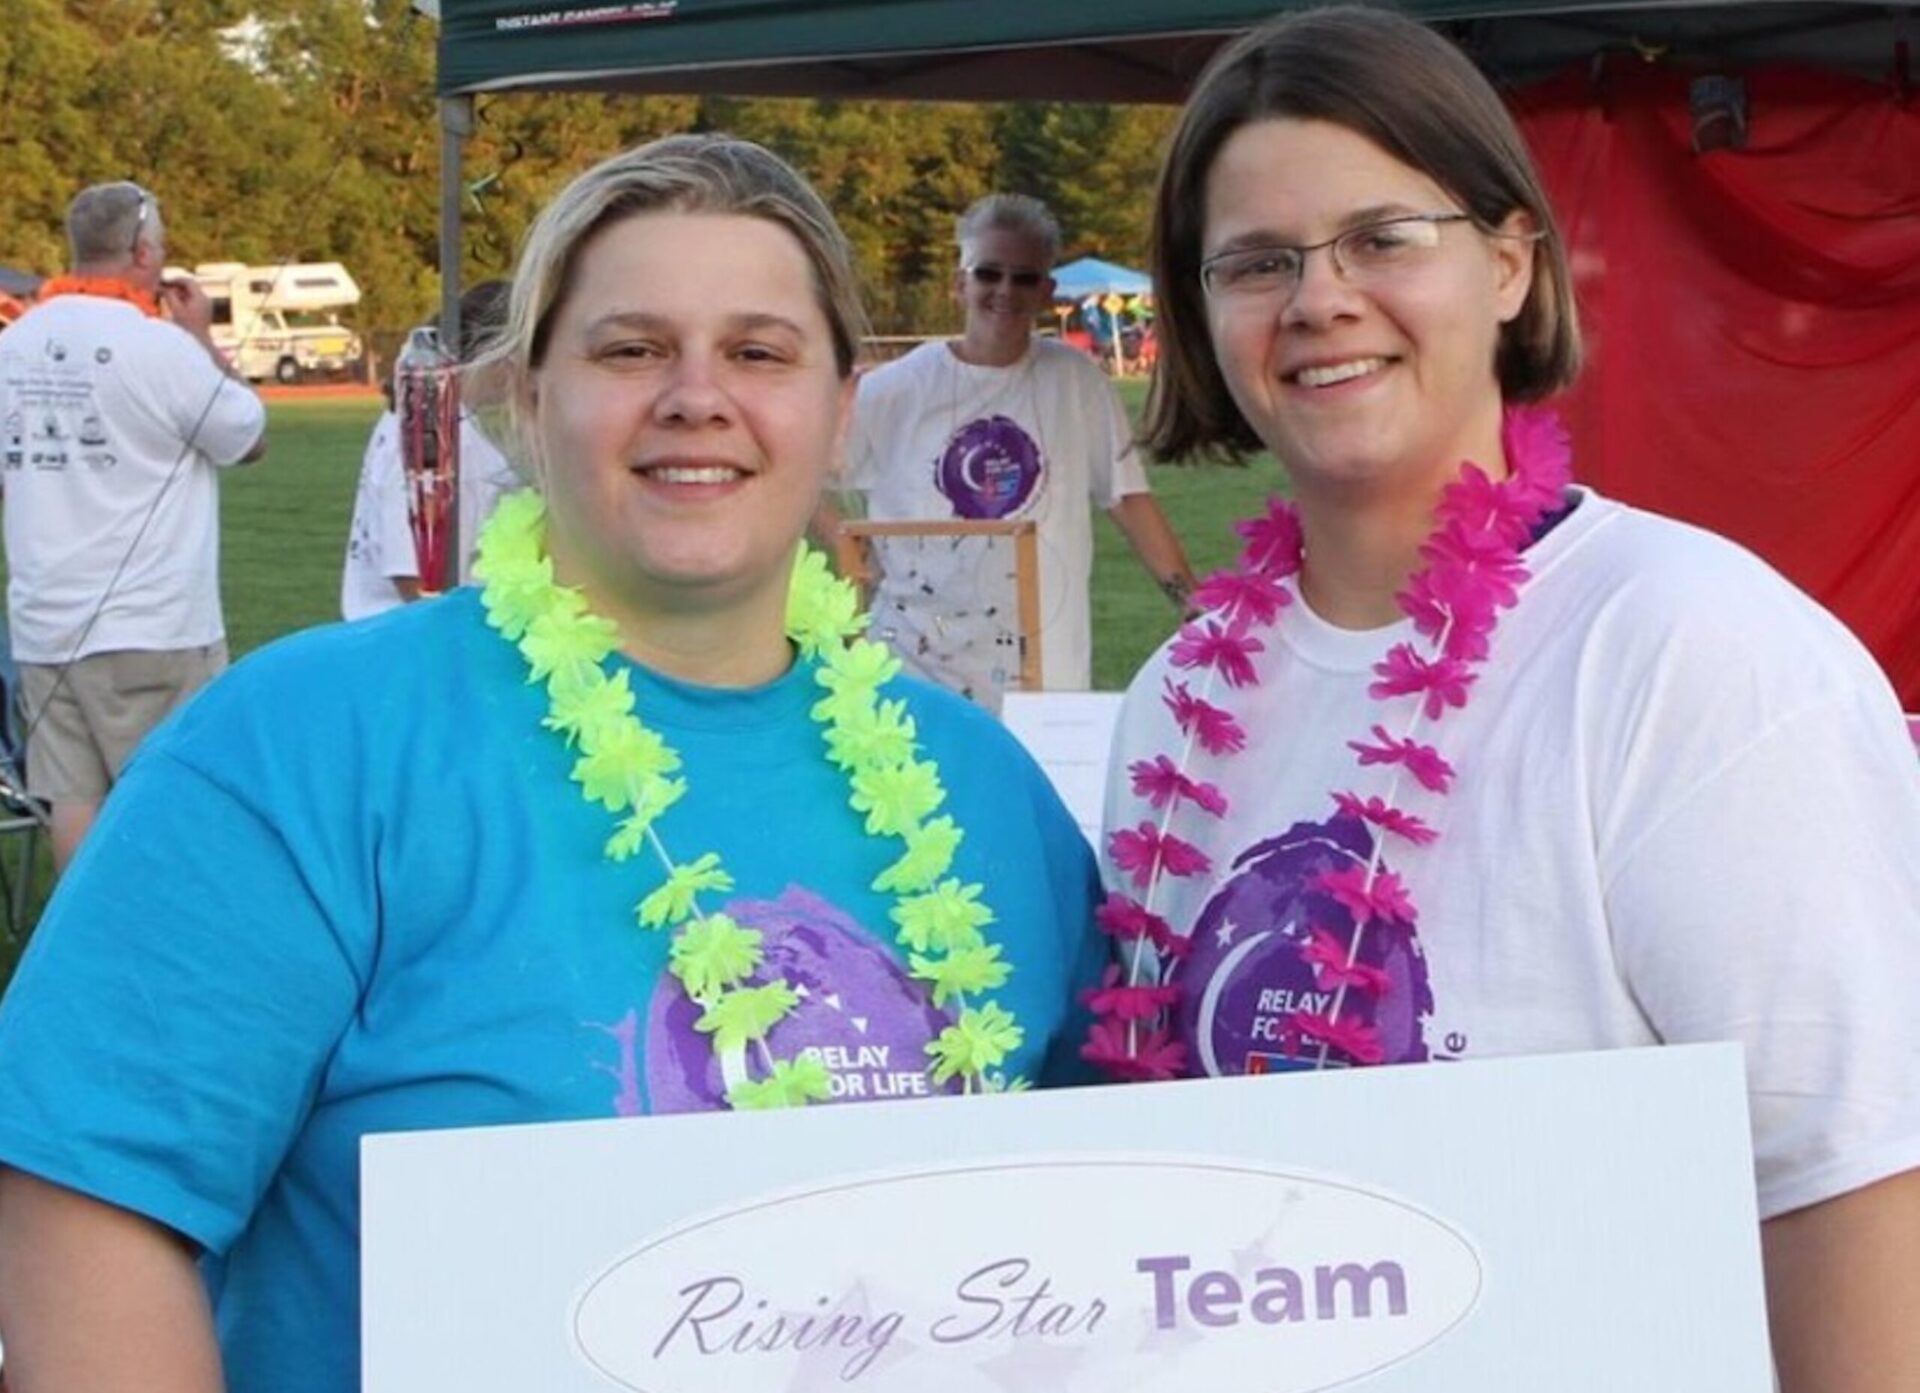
(640, 827)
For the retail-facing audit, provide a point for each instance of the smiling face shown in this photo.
(685, 415)
(1000, 315)
(1359, 384)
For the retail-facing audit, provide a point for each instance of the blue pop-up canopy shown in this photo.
(1092, 276)
(21, 283)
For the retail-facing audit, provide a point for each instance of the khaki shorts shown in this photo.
(81, 729)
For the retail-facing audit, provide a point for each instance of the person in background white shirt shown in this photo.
(382, 570)
(113, 425)
(998, 424)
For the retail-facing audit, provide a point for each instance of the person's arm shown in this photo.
(393, 551)
(1766, 893)
(189, 307)
(1145, 526)
(1117, 482)
(95, 1297)
(1843, 1291)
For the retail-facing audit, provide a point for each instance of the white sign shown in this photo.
(1582, 1223)
(1070, 736)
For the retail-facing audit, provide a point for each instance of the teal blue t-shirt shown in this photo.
(350, 889)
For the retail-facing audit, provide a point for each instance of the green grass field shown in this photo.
(284, 527)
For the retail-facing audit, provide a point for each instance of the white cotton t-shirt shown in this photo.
(380, 539)
(1044, 439)
(1685, 810)
(111, 427)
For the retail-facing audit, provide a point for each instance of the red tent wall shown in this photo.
(1753, 321)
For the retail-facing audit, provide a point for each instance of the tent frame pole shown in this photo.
(456, 124)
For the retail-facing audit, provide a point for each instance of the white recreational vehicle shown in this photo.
(282, 322)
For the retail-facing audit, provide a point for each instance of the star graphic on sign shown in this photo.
(1224, 934)
(1033, 1364)
(822, 1369)
(1164, 1341)
(1258, 1252)
(1250, 1259)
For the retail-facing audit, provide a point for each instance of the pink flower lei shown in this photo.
(1474, 570)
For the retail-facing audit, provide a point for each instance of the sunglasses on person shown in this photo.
(988, 274)
(140, 217)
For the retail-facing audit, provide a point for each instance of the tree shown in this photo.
(307, 130)
(1095, 166)
(894, 173)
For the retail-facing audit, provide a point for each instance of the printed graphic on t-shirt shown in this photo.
(55, 416)
(1277, 979)
(989, 469)
(859, 1014)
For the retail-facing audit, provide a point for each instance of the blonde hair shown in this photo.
(681, 173)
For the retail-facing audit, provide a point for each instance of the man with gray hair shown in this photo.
(116, 410)
(999, 424)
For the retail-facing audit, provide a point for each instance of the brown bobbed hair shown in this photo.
(1416, 96)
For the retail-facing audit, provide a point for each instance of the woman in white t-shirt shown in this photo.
(1461, 761)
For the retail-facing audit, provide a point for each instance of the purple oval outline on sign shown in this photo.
(1209, 1165)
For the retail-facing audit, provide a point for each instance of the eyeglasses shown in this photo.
(993, 275)
(1363, 255)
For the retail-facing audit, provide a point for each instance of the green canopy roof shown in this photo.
(1105, 50)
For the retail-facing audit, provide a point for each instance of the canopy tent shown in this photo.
(1105, 284)
(17, 289)
(1059, 50)
(1749, 310)
(1092, 276)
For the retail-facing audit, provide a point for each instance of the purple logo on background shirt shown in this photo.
(989, 469)
(869, 1023)
(1270, 951)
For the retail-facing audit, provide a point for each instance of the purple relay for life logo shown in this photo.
(990, 469)
(859, 1013)
(1274, 981)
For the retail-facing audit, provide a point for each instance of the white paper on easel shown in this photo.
(1070, 735)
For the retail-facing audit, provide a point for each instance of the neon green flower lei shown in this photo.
(631, 772)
